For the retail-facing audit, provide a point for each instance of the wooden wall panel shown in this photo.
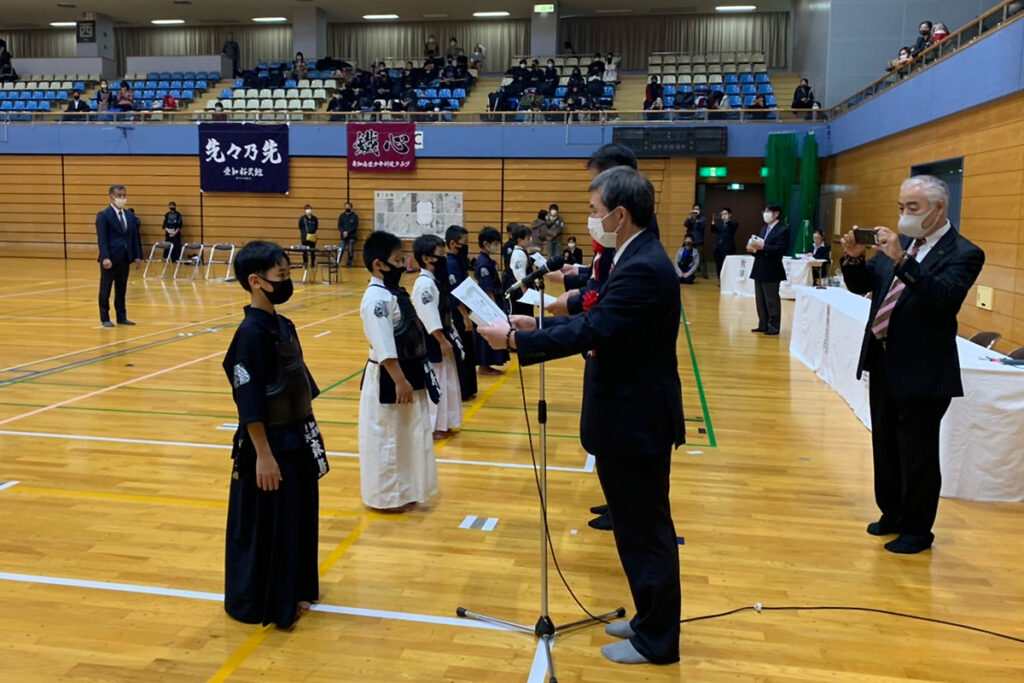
(31, 206)
(678, 192)
(991, 141)
(535, 184)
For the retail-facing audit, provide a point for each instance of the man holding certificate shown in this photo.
(632, 405)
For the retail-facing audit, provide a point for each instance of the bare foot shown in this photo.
(439, 435)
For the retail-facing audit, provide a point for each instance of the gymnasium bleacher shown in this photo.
(41, 93)
(685, 77)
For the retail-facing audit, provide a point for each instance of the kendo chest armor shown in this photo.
(289, 396)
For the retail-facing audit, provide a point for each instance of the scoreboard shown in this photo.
(673, 141)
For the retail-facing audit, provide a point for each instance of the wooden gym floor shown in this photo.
(111, 543)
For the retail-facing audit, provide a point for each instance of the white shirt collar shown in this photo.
(620, 249)
(772, 225)
(115, 208)
(428, 274)
(933, 239)
(374, 280)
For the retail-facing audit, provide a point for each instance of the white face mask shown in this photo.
(554, 212)
(120, 202)
(912, 226)
(595, 226)
(309, 211)
(768, 217)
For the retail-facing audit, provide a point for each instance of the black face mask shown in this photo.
(925, 32)
(281, 292)
(348, 210)
(463, 254)
(441, 273)
(392, 277)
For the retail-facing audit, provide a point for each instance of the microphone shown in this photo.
(552, 264)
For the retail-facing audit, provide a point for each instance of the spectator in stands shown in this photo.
(105, 99)
(924, 38)
(338, 104)
(939, 33)
(453, 49)
(462, 61)
(658, 105)
(218, 113)
(449, 74)
(172, 231)
(902, 59)
(576, 79)
(758, 103)
(429, 75)
(549, 82)
(169, 102)
(611, 69)
(308, 225)
(596, 66)
(803, 97)
(572, 255)
(125, 97)
(816, 114)
(348, 226)
(7, 72)
(431, 48)
(517, 71)
(536, 75)
(231, 51)
(76, 106)
(477, 60)
(300, 69)
(653, 94)
(383, 85)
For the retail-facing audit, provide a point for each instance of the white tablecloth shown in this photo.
(736, 275)
(982, 436)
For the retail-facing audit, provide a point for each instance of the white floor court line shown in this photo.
(227, 447)
(322, 334)
(218, 597)
(539, 670)
(7, 484)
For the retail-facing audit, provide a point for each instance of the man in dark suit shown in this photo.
(117, 236)
(918, 284)
(821, 251)
(726, 243)
(768, 249)
(632, 406)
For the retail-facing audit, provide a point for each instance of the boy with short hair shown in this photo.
(456, 238)
(444, 348)
(396, 453)
(271, 571)
(519, 266)
(486, 272)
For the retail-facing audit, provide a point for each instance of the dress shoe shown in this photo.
(107, 323)
(602, 523)
(599, 509)
(771, 333)
(908, 544)
(759, 329)
(882, 527)
(126, 321)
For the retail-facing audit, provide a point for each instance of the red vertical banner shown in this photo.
(381, 147)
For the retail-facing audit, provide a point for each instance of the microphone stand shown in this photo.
(544, 629)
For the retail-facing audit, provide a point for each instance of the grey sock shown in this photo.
(620, 629)
(623, 652)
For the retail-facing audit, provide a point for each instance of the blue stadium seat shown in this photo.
(3, 95)
(685, 88)
(188, 95)
(177, 76)
(765, 90)
(188, 84)
(176, 94)
(92, 105)
(290, 83)
(226, 93)
(668, 100)
(27, 94)
(732, 78)
(44, 106)
(459, 93)
(214, 76)
(669, 90)
(735, 101)
(762, 78)
(748, 100)
(164, 76)
(263, 66)
(732, 89)
(717, 87)
(6, 105)
(20, 105)
(151, 84)
(444, 93)
(176, 85)
(202, 75)
(609, 91)
(263, 74)
(153, 76)
(50, 95)
(770, 100)
(159, 94)
(38, 94)
(190, 75)
(423, 103)
(749, 90)
(79, 86)
(557, 101)
(32, 106)
(431, 93)
(201, 84)
(148, 94)
(137, 84)
(561, 92)
(453, 104)
(746, 78)
(166, 85)
(239, 83)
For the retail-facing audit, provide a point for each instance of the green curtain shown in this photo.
(780, 160)
(809, 186)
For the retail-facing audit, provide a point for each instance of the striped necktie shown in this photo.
(880, 327)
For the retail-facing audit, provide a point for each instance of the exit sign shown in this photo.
(713, 171)
(543, 9)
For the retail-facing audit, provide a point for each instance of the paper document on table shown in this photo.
(482, 308)
(538, 260)
(532, 298)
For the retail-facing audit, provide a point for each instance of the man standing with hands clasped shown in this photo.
(768, 249)
(632, 406)
(917, 284)
(117, 236)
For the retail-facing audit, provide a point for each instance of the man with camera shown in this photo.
(918, 283)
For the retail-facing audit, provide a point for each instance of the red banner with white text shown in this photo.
(382, 147)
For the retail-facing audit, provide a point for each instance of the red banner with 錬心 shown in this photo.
(381, 147)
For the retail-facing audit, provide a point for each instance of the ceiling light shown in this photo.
(63, 24)
(490, 15)
(736, 8)
(269, 20)
(375, 17)
(167, 22)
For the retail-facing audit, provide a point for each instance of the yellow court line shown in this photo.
(239, 656)
(478, 404)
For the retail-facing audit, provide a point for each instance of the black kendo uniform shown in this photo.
(271, 551)
(173, 221)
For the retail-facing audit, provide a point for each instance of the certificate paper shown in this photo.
(483, 310)
(532, 298)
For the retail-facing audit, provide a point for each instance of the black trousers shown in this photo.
(702, 267)
(720, 261)
(905, 445)
(308, 257)
(769, 305)
(637, 491)
(175, 247)
(116, 275)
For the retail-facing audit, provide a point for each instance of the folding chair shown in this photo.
(212, 260)
(191, 255)
(166, 259)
